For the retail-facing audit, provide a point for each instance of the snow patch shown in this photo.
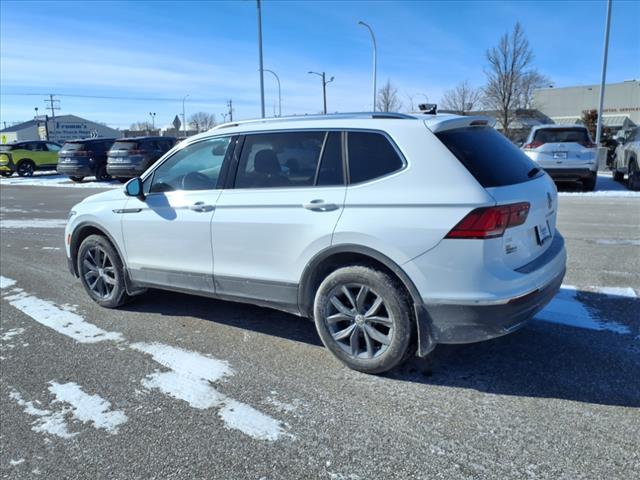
(6, 282)
(51, 248)
(566, 309)
(609, 241)
(55, 180)
(88, 408)
(33, 223)
(9, 334)
(191, 378)
(16, 462)
(616, 291)
(60, 319)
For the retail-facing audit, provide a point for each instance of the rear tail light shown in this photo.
(534, 144)
(490, 222)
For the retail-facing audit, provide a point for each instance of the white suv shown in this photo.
(393, 232)
(627, 159)
(566, 153)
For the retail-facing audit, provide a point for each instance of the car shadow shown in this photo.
(542, 360)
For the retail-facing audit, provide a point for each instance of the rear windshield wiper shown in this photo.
(533, 172)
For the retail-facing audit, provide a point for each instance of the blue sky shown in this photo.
(165, 50)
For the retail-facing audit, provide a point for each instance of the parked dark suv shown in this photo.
(83, 158)
(130, 157)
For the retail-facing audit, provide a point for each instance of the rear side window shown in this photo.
(287, 159)
(489, 156)
(371, 155)
(561, 135)
(331, 171)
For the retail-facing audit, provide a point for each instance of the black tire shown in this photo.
(633, 180)
(101, 174)
(109, 289)
(6, 174)
(618, 176)
(390, 344)
(76, 179)
(123, 180)
(589, 184)
(25, 168)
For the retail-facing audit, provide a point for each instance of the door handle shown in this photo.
(201, 207)
(319, 205)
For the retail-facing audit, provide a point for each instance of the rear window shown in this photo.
(561, 135)
(72, 146)
(125, 146)
(489, 156)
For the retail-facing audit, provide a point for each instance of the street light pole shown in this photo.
(260, 55)
(604, 72)
(153, 120)
(184, 118)
(375, 56)
(324, 88)
(279, 91)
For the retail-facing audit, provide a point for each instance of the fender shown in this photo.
(426, 341)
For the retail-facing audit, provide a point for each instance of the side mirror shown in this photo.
(134, 188)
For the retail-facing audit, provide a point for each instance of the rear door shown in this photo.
(510, 177)
(287, 197)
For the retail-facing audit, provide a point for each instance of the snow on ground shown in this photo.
(47, 421)
(49, 179)
(88, 408)
(33, 223)
(9, 334)
(614, 241)
(567, 309)
(6, 282)
(605, 187)
(60, 319)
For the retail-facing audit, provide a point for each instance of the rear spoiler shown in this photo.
(460, 122)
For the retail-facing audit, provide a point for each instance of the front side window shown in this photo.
(195, 167)
(287, 159)
(371, 155)
(53, 147)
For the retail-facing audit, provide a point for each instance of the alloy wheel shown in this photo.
(98, 272)
(358, 320)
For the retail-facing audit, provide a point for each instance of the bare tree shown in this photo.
(509, 65)
(462, 99)
(141, 126)
(388, 100)
(202, 121)
(530, 81)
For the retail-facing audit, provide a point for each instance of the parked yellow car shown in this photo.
(27, 157)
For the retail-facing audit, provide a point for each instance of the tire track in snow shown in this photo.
(190, 376)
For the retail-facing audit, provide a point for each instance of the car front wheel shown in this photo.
(102, 272)
(364, 317)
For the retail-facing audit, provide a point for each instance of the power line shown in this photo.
(105, 97)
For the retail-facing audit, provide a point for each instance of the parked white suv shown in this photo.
(566, 153)
(627, 160)
(393, 232)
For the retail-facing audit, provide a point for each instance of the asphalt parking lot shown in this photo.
(174, 386)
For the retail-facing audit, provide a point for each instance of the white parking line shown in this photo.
(33, 223)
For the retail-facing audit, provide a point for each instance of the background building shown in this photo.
(60, 129)
(566, 105)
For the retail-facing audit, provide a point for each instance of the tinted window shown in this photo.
(53, 147)
(371, 155)
(124, 145)
(331, 172)
(488, 155)
(195, 167)
(561, 135)
(287, 159)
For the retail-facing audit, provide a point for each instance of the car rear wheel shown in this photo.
(76, 179)
(364, 317)
(102, 272)
(123, 180)
(618, 176)
(633, 182)
(101, 174)
(589, 184)
(25, 168)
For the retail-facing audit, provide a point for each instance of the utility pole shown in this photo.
(375, 55)
(184, 118)
(260, 55)
(153, 120)
(54, 104)
(324, 88)
(230, 105)
(604, 73)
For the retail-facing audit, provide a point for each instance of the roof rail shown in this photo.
(373, 115)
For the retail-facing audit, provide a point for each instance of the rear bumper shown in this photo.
(468, 323)
(124, 170)
(570, 174)
(75, 170)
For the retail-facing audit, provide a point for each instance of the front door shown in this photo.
(288, 195)
(167, 236)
